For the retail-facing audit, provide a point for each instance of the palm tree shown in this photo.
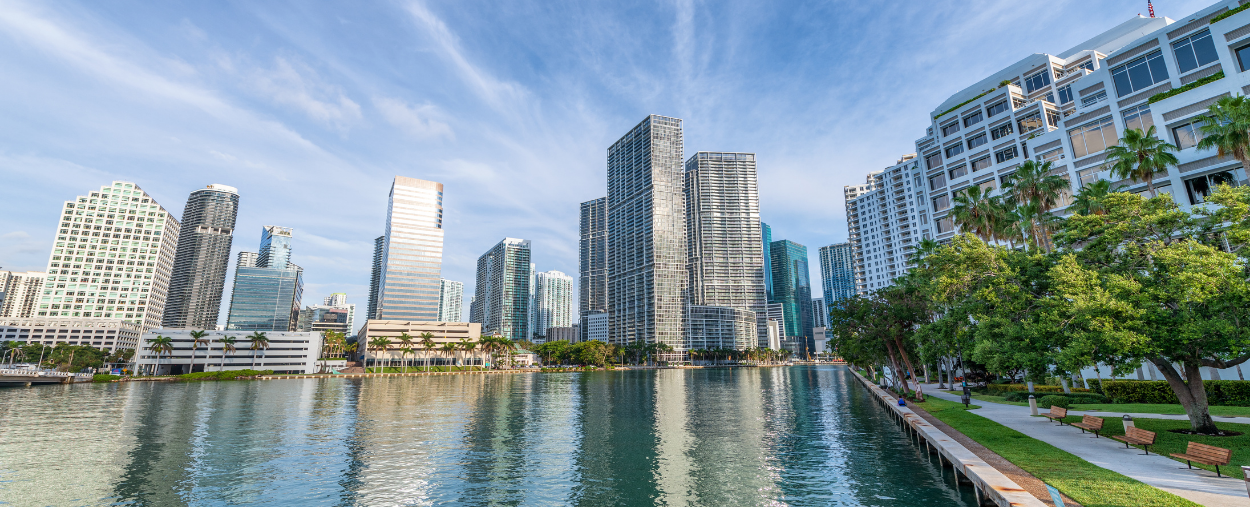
(488, 346)
(227, 345)
(1226, 127)
(259, 342)
(12, 347)
(380, 344)
(198, 337)
(1088, 201)
(160, 345)
(1140, 155)
(972, 212)
(427, 343)
(449, 348)
(405, 342)
(1032, 183)
(403, 353)
(468, 347)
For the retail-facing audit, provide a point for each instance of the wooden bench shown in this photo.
(1207, 455)
(1090, 423)
(1137, 436)
(1057, 413)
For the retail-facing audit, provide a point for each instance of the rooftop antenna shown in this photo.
(1150, 7)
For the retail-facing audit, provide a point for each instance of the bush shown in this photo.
(1230, 393)
(1073, 397)
(224, 375)
(1003, 389)
(104, 377)
(1053, 400)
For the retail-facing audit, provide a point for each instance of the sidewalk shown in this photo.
(1199, 486)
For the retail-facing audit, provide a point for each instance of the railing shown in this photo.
(1061, 74)
(39, 373)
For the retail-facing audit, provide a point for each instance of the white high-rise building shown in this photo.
(19, 293)
(336, 299)
(553, 301)
(112, 258)
(412, 254)
(450, 301)
(888, 221)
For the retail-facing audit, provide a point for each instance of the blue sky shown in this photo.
(311, 108)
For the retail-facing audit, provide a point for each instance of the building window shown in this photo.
(1243, 57)
(1052, 155)
(1187, 135)
(981, 164)
(1030, 122)
(987, 186)
(954, 149)
(1003, 130)
(1052, 117)
(945, 224)
(977, 140)
(1037, 81)
(1093, 137)
(937, 181)
(996, 109)
(1139, 74)
(973, 119)
(1065, 94)
(1201, 187)
(1194, 51)
(1137, 118)
(1007, 154)
(1094, 99)
(941, 202)
(947, 130)
(933, 160)
(958, 171)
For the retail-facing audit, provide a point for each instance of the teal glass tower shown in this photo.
(792, 288)
(767, 236)
(267, 286)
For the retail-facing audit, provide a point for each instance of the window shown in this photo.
(1065, 94)
(981, 164)
(958, 171)
(1030, 122)
(1052, 117)
(1201, 187)
(996, 109)
(1094, 99)
(1139, 74)
(973, 119)
(987, 186)
(1006, 154)
(1093, 137)
(1036, 81)
(977, 140)
(1052, 155)
(1003, 130)
(1137, 118)
(945, 224)
(1194, 51)
(1187, 135)
(954, 149)
(941, 202)
(1243, 57)
(950, 129)
(933, 160)
(937, 181)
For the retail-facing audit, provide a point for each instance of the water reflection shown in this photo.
(770, 436)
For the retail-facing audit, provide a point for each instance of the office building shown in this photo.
(450, 301)
(598, 327)
(112, 258)
(442, 333)
(593, 262)
(726, 258)
(776, 312)
(568, 334)
(203, 254)
(412, 254)
(531, 330)
(20, 293)
(820, 313)
(323, 318)
(553, 302)
(503, 290)
(267, 286)
(837, 272)
(375, 277)
(723, 327)
(646, 235)
(100, 332)
(766, 233)
(287, 352)
(792, 288)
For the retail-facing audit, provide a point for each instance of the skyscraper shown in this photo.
(646, 235)
(726, 259)
(503, 292)
(267, 286)
(593, 258)
(336, 299)
(412, 257)
(113, 257)
(837, 272)
(202, 258)
(375, 278)
(766, 233)
(553, 301)
(336, 314)
(450, 301)
(792, 288)
(820, 313)
(19, 293)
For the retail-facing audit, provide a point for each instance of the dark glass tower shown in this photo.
(792, 288)
(267, 286)
(593, 257)
(202, 257)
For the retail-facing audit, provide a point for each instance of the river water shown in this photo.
(806, 435)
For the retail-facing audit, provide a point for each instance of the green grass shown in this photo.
(104, 377)
(1147, 408)
(1167, 442)
(1088, 484)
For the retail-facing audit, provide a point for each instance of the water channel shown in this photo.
(804, 435)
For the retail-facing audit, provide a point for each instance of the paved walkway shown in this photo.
(1199, 486)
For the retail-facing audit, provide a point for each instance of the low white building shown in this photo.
(102, 333)
(287, 352)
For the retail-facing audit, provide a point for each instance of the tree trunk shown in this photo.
(898, 342)
(1192, 394)
(894, 366)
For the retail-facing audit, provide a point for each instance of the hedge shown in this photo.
(1053, 400)
(1002, 389)
(1075, 397)
(1230, 393)
(223, 375)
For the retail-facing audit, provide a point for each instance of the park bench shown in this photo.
(1090, 423)
(1207, 455)
(1057, 413)
(1137, 436)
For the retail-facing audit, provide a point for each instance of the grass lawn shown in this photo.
(1088, 484)
(1167, 442)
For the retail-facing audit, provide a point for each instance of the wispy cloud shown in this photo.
(298, 86)
(417, 121)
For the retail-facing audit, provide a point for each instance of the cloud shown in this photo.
(298, 86)
(501, 95)
(417, 121)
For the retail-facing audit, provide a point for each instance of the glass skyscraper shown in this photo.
(767, 236)
(793, 289)
(592, 259)
(202, 258)
(267, 286)
(503, 290)
(412, 256)
(837, 272)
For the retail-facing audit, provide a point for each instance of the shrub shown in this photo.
(1233, 393)
(1053, 400)
(224, 375)
(1073, 397)
(104, 377)
(1003, 389)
